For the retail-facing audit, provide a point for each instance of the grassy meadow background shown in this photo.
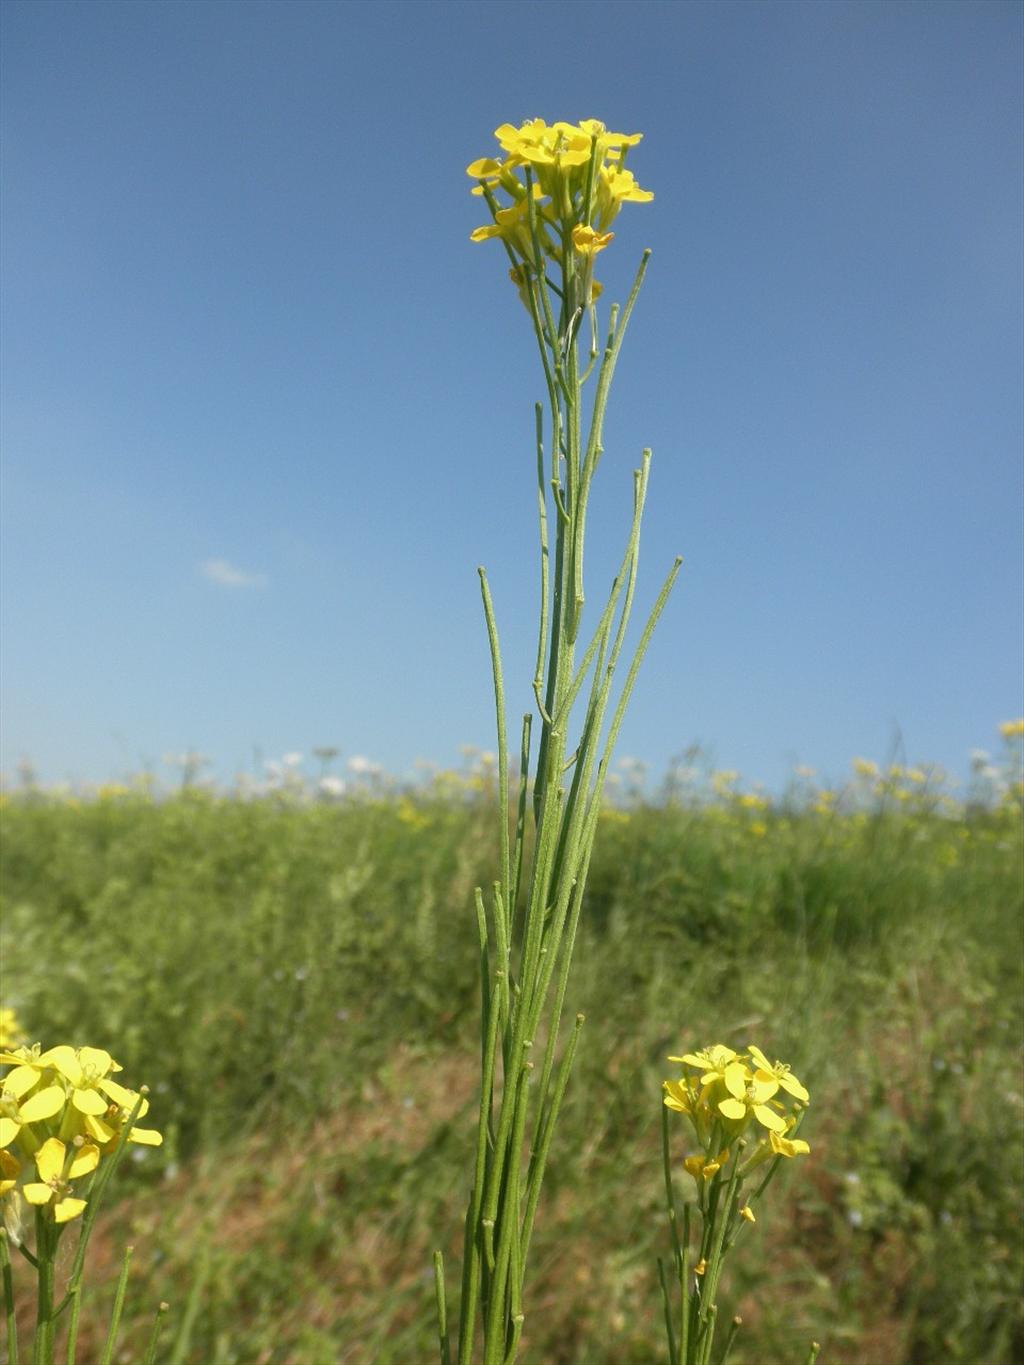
(295, 977)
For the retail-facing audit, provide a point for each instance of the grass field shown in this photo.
(297, 983)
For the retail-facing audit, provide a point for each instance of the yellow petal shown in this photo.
(64, 1060)
(775, 1123)
(96, 1128)
(484, 168)
(43, 1104)
(67, 1209)
(88, 1101)
(86, 1160)
(736, 1079)
(789, 1082)
(148, 1137)
(759, 1057)
(732, 1109)
(9, 1130)
(50, 1159)
(121, 1095)
(763, 1087)
(96, 1060)
(37, 1194)
(20, 1081)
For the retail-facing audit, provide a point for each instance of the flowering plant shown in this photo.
(553, 194)
(64, 1123)
(734, 1100)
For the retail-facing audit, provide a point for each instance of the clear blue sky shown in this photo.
(244, 325)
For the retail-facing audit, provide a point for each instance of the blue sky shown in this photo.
(265, 407)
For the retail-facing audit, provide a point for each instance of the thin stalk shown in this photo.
(499, 706)
(494, 1353)
(8, 1281)
(42, 1346)
(154, 1336)
(471, 1258)
(115, 1316)
(670, 1331)
(540, 1156)
(517, 854)
(730, 1340)
(684, 1290)
(442, 1310)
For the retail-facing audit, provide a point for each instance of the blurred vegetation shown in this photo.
(297, 982)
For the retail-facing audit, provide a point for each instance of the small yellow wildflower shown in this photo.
(704, 1167)
(588, 242)
(55, 1174)
(780, 1072)
(783, 1146)
(748, 1213)
(22, 1102)
(864, 767)
(749, 1095)
(1012, 729)
(11, 1033)
(758, 829)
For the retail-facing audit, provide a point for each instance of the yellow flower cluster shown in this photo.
(576, 178)
(1012, 729)
(732, 1092)
(62, 1110)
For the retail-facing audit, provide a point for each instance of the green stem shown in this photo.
(8, 1282)
(442, 1310)
(499, 705)
(115, 1316)
(46, 1247)
(154, 1336)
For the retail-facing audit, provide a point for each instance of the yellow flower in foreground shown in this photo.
(783, 1146)
(704, 1167)
(779, 1071)
(749, 1095)
(1012, 729)
(19, 1106)
(53, 1184)
(588, 242)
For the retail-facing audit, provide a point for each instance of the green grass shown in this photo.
(298, 986)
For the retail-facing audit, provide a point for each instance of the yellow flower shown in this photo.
(864, 767)
(677, 1096)
(748, 1213)
(758, 829)
(749, 1095)
(1012, 729)
(783, 1146)
(55, 1175)
(780, 1072)
(715, 1063)
(23, 1102)
(10, 1030)
(588, 242)
(704, 1167)
(616, 187)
